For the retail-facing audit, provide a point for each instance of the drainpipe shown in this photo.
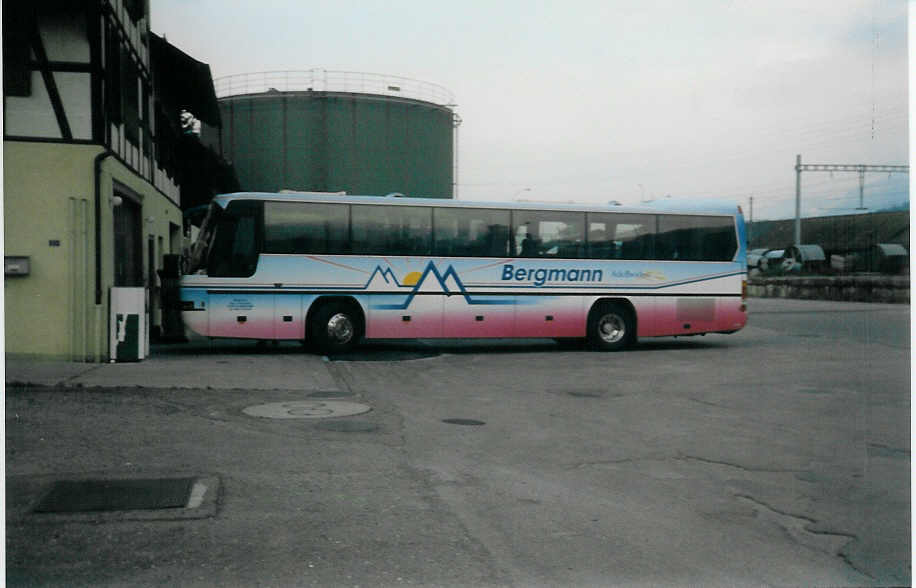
(97, 166)
(98, 222)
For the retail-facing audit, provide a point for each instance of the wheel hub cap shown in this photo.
(611, 329)
(340, 328)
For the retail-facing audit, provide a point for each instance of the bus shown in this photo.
(333, 270)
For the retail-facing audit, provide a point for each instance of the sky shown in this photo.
(592, 101)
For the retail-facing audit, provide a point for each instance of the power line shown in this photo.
(837, 167)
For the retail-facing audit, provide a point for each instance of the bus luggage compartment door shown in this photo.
(549, 316)
(400, 316)
(464, 318)
(289, 320)
(247, 316)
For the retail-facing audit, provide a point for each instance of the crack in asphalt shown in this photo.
(706, 402)
(801, 524)
(79, 375)
(602, 462)
(881, 450)
(796, 526)
(337, 374)
(684, 457)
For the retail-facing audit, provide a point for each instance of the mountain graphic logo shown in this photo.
(430, 281)
(382, 278)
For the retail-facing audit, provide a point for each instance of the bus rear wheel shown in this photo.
(611, 327)
(335, 328)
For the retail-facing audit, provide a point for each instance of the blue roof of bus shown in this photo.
(668, 204)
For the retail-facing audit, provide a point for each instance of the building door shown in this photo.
(152, 291)
(128, 243)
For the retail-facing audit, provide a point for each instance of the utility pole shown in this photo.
(832, 167)
(750, 225)
(798, 171)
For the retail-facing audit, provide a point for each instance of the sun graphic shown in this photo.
(411, 279)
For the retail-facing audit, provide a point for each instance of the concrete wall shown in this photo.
(861, 288)
(48, 206)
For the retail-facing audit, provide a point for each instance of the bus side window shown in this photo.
(473, 232)
(304, 228)
(549, 233)
(599, 247)
(529, 245)
(497, 241)
(696, 238)
(620, 236)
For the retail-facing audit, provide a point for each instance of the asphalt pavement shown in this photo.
(776, 456)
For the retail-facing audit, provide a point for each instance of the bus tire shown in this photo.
(335, 327)
(611, 327)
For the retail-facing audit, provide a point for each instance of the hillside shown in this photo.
(835, 234)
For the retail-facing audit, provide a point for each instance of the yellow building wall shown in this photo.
(49, 216)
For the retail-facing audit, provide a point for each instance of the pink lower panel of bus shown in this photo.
(461, 319)
(457, 317)
(689, 315)
(421, 318)
(550, 316)
(248, 316)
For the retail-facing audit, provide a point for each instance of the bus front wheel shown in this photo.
(335, 328)
(611, 327)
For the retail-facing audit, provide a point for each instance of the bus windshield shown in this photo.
(228, 242)
(198, 258)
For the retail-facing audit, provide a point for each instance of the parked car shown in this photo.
(772, 259)
(754, 256)
(811, 258)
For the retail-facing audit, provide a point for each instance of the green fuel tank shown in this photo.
(325, 131)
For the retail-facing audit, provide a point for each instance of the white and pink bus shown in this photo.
(333, 270)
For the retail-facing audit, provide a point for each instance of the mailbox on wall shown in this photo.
(16, 265)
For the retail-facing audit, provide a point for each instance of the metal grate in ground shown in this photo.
(72, 496)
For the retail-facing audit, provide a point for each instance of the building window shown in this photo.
(136, 9)
(130, 97)
(18, 25)
(113, 75)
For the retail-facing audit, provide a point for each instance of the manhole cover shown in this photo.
(111, 495)
(349, 426)
(470, 422)
(330, 394)
(307, 409)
